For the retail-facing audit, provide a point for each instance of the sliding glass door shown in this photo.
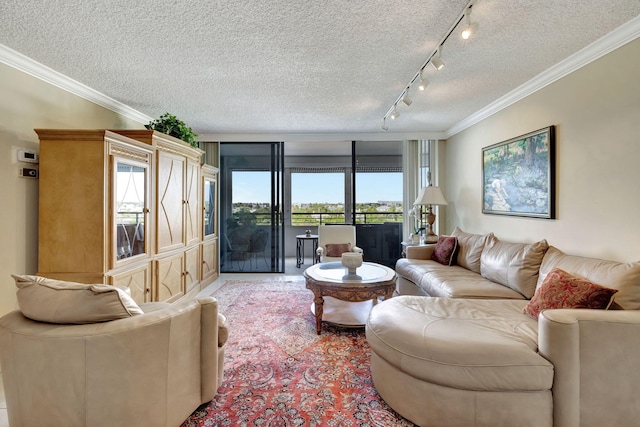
(377, 199)
(251, 207)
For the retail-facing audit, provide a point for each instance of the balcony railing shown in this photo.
(321, 218)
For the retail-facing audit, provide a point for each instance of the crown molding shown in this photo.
(604, 45)
(314, 137)
(27, 65)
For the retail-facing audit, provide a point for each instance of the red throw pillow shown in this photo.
(564, 290)
(337, 249)
(445, 250)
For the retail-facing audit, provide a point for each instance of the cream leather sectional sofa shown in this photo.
(456, 349)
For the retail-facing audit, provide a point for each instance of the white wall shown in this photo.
(596, 111)
(27, 103)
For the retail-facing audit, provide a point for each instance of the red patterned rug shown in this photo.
(279, 372)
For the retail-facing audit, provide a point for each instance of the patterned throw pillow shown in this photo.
(563, 290)
(445, 250)
(337, 249)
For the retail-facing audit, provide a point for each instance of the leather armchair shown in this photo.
(152, 369)
(332, 235)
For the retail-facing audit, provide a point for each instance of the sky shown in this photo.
(255, 187)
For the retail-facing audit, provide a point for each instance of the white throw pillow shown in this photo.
(57, 301)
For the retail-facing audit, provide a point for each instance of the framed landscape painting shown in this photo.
(518, 176)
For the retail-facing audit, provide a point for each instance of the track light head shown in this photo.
(470, 30)
(384, 126)
(466, 32)
(394, 114)
(436, 61)
(406, 98)
(423, 81)
(469, 27)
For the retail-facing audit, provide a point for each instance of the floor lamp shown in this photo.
(430, 196)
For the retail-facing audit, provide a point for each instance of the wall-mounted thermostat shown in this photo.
(28, 156)
(29, 173)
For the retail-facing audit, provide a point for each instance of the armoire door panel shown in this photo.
(138, 281)
(170, 202)
(192, 207)
(209, 260)
(169, 283)
(191, 268)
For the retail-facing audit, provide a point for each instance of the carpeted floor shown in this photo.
(279, 372)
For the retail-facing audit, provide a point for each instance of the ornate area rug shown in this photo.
(279, 372)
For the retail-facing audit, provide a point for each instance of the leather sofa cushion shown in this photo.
(470, 248)
(57, 301)
(467, 344)
(453, 281)
(617, 275)
(515, 265)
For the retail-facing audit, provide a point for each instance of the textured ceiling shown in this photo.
(285, 66)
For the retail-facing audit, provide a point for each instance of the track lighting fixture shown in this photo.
(436, 61)
(424, 82)
(406, 98)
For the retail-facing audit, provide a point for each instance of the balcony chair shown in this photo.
(257, 246)
(237, 251)
(333, 240)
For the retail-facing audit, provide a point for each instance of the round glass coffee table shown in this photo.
(345, 299)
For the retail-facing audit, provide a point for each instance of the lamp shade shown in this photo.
(430, 196)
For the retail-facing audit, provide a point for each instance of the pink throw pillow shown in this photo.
(564, 290)
(337, 249)
(445, 250)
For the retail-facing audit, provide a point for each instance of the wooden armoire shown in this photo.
(131, 208)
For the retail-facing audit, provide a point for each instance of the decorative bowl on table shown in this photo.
(352, 260)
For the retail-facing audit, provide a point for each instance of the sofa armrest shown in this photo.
(596, 368)
(420, 252)
(208, 348)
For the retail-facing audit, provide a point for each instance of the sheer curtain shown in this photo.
(417, 157)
